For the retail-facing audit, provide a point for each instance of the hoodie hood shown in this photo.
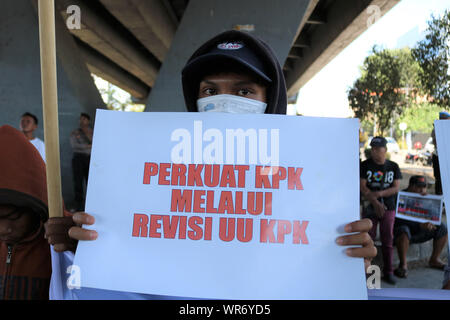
(206, 56)
(22, 173)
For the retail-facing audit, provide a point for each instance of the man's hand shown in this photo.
(375, 195)
(77, 232)
(372, 196)
(64, 233)
(360, 237)
(379, 209)
(428, 226)
(57, 234)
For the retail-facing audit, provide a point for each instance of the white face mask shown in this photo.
(230, 104)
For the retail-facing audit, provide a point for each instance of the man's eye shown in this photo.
(210, 91)
(13, 215)
(244, 92)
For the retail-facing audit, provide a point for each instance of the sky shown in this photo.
(403, 25)
(119, 94)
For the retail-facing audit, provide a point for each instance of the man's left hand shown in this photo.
(428, 226)
(360, 237)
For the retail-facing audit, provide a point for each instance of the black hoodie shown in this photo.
(276, 92)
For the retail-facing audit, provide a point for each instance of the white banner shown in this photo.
(222, 206)
(419, 208)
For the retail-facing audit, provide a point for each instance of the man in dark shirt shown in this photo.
(380, 182)
(406, 232)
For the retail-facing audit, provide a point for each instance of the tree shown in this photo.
(112, 103)
(388, 82)
(115, 98)
(433, 55)
(419, 117)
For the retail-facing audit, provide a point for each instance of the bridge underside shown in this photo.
(141, 46)
(127, 42)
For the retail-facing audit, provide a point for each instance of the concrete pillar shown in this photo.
(275, 22)
(20, 80)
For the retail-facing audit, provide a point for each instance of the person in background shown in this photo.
(81, 141)
(406, 232)
(29, 123)
(444, 115)
(25, 261)
(379, 184)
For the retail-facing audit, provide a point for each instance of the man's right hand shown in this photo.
(377, 205)
(428, 226)
(64, 233)
(379, 209)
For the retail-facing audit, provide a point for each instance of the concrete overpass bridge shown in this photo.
(142, 45)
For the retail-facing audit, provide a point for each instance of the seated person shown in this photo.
(25, 262)
(406, 232)
(251, 73)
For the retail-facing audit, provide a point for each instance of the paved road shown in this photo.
(419, 277)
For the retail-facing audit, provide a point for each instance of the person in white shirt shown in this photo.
(29, 123)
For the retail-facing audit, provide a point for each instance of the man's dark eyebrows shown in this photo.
(211, 83)
(246, 83)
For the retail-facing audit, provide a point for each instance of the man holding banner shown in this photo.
(406, 232)
(235, 73)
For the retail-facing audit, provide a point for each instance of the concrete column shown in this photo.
(275, 22)
(20, 81)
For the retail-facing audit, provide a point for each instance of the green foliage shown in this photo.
(389, 80)
(367, 126)
(419, 117)
(363, 137)
(433, 55)
(113, 103)
(402, 144)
